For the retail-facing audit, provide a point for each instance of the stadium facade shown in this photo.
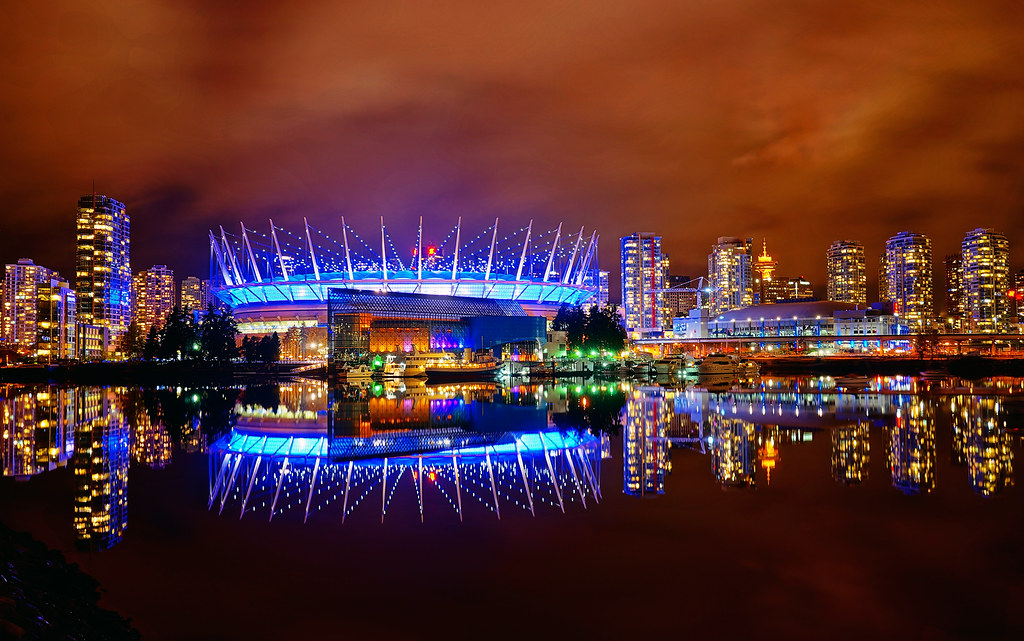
(282, 281)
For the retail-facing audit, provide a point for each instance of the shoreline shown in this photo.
(131, 373)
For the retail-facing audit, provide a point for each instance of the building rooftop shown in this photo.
(808, 309)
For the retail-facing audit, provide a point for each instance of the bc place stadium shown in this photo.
(350, 294)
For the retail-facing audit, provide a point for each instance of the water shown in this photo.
(797, 506)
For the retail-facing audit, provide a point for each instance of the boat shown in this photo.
(679, 366)
(394, 368)
(714, 364)
(358, 373)
(446, 366)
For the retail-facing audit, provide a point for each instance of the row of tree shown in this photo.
(598, 328)
(210, 339)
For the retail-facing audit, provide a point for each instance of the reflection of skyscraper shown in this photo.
(734, 451)
(980, 440)
(912, 450)
(36, 430)
(768, 451)
(644, 451)
(102, 451)
(906, 278)
(851, 454)
(151, 445)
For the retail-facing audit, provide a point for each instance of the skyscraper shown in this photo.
(104, 279)
(986, 280)
(729, 274)
(764, 275)
(39, 311)
(644, 269)
(847, 277)
(954, 268)
(680, 301)
(906, 278)
(152, 296)
(195, 294)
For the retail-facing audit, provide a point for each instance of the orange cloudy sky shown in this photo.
(802, 121)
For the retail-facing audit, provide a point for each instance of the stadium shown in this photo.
(280, 281)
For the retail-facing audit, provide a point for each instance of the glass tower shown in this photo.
(847, 277)
(103, 278)
(906, 278)
(644, 269)
(729, 273)
(986, 275)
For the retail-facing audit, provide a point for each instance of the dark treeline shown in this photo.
(212, 339)
(598, 328)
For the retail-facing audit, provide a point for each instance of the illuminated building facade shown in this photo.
(906, 278)
(912, 450)
(36, 429)
(153, 297)
(644, 272)
(765, 289)
(645, 458)
(851, 453)
(602, 288)
(39, 311)
(362, 323)
(954, 268)
(730, 274)
(986, 280)
(195, 294)
(679, 299)
(103, 280)
(846, 272)
(102, 456)
(799, 288)
(1017, 298)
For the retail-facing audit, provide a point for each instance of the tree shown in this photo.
(132, 342)
(572, 321)
(152, 346)
(179, 338)
(603, 330)
(217, 334)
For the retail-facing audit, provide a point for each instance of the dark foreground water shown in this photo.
(797, 507)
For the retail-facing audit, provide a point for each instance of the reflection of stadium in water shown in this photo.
(456, 442)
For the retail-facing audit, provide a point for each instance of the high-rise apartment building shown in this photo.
(986, 255)
(906, 278)
(680, 299)
(765, 278)
(644, 269)
(103, 280)
(1018, 297)
(847, 275)
(954, 269)
(152, 296)
(39, 311)
(196, 295)
(730, 274)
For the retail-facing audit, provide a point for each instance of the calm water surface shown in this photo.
(806, 507)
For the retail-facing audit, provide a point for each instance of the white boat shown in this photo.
(679, 366)
(714, 364)
(393, 368)
(360, 373)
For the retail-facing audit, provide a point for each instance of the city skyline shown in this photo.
(746, 136)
